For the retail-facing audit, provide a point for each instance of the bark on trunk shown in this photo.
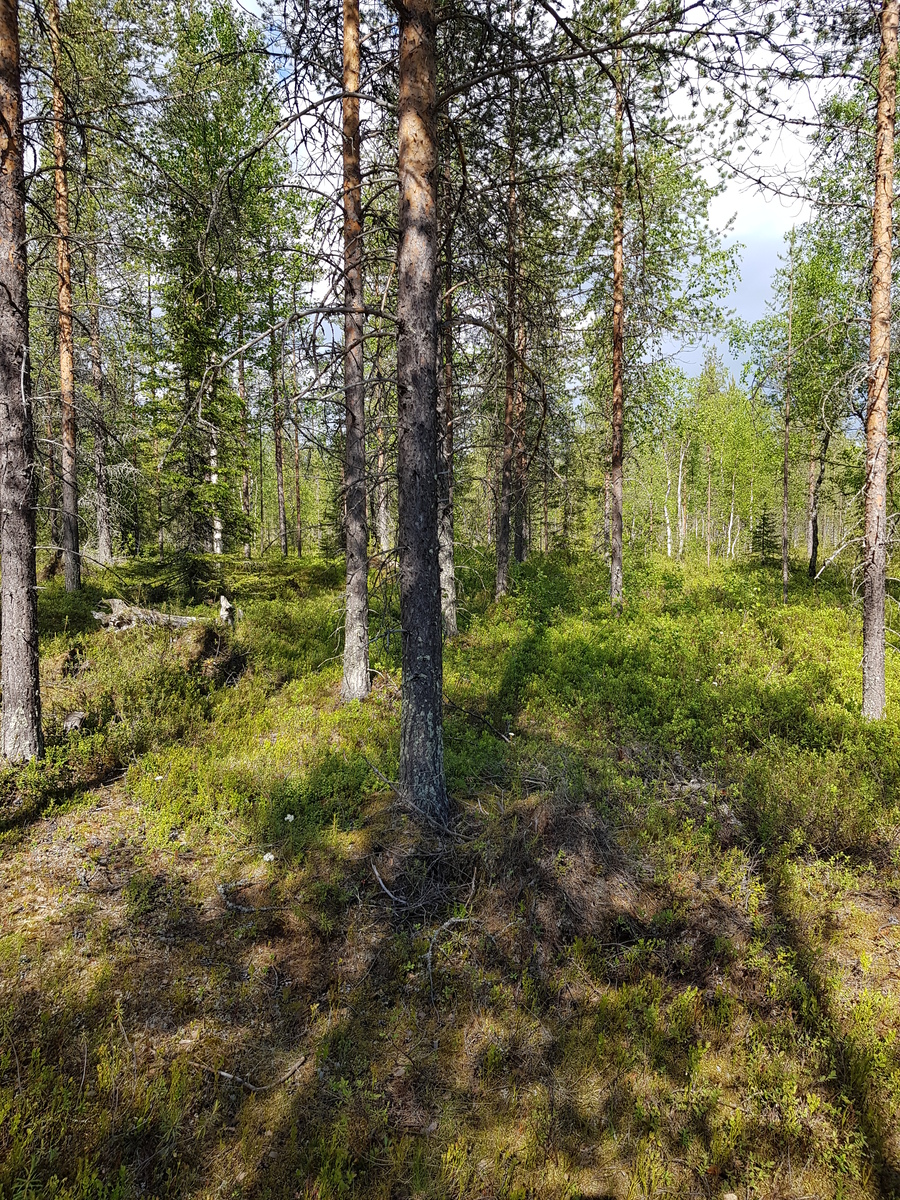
(421, 774)
(70, 539)
(666, 506)
(217, 539)
(445, 465)
(355, 684)
(708, 508)
(507, 464)
(21, 726)
(245, 444)
(278, 434)
(814, 505)
(618, 356)
(104, 522)
(875, 553)
(785, 532)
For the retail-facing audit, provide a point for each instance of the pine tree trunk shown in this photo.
(298, 496)
(618, 357)
(445, 465)
(104, 522)
(70, 539)
(355, 684)
(421, 774)
(520, 482)
(21, 726)
(54, 498)
(278, 434)
(875, 552)
(507, 465)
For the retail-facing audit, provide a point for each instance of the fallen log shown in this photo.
(127, 616)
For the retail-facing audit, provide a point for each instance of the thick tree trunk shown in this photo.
(21, 727)
(445, 466)
(422, 780)
(618, 360)
(355, 684)
(70, 539)
(875, 552)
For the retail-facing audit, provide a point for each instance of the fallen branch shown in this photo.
(127, 616)
(245, 1083)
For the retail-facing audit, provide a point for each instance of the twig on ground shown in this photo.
(387, 891)
(245, 1083)
(504, 737)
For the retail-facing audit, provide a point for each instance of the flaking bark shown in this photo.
(421, 774)
(875, 545)
(355, 683)
(21, 725)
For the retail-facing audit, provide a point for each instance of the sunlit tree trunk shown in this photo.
(666, 505)
(21, 724)
(708, 508)
(875, 551)
(785, 481)
(618, 356)
(355, 683)
(421, 774)
(70, 538)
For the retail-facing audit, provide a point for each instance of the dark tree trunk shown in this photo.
(421, 773)
(507, 462)
(875, 552)
(104, 521)
(355, 683)
(278, 434)
(21, 732)
(520, 484)
(618, 361)
(70, 539)
(785, 528)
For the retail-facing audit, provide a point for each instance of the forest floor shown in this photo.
(657, 954)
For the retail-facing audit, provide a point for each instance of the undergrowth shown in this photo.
(656, 955)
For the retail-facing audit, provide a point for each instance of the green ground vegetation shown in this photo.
(656, 953)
